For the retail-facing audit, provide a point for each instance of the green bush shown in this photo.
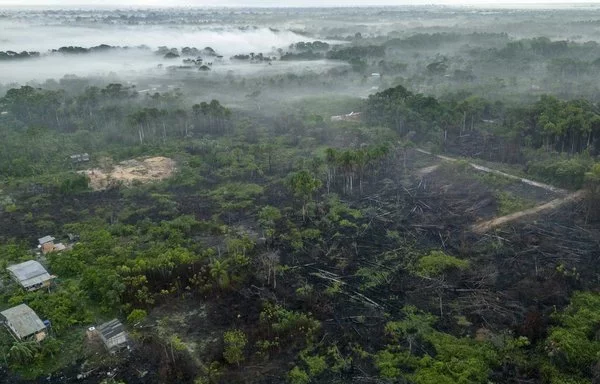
(564, 172)
(298, 376)
(509, 203)
(136, 316)
(437, 262)
(235, 342)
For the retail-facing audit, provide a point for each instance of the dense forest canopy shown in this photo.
(385, 195)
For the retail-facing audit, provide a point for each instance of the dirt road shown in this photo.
(533, 183)
(553, 204)
(485, 226)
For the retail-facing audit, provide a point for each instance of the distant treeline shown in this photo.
(437, 40)
(549, 125)
(306, 55)
(173, 53)
(318, 50)
(357, 52)
(11, 55)
(97, 48)
(253, 57)
(310, 46)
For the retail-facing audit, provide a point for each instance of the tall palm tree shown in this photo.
(23, 352)
(218, 271)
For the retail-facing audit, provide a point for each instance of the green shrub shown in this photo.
(509, 203)
(235, 342)
(136, 316)
(298, 376)
(437, 262)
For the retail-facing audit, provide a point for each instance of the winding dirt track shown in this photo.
(552, 204)
(485, 226)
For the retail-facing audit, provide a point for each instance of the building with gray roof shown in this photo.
(23, 322)
(80, 157)
(113, 335)
(31, 275)
(46, 239)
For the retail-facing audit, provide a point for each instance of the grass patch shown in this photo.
(509, 203)
(494, 180)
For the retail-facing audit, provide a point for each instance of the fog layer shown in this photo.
(227, 41)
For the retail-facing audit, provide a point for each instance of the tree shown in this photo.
(212, 115)
(592, 183)
(219, 272)
(303, 185)
(235, 341)
(298, 376)
(136, 316)
(23, 352)
(267, 218)
(572, 347)
(453, 360)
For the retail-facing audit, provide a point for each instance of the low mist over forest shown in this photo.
(379, 195)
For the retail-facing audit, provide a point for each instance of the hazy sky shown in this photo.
(248, 3)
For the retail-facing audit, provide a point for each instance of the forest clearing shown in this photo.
(482, 227)
(129, 172)
(554, 204)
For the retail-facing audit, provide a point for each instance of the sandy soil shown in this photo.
(426, 171)
(130, 171)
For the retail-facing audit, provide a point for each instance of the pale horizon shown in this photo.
(292, 3)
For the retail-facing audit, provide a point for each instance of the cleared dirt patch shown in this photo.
(131, 171)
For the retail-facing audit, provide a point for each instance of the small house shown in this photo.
(112, 334)
(47, 245)
(24, 323)
(80, 158)
(46, 240)
(31, 275)
(352, 116)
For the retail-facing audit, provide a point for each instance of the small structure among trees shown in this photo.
(23, 322)
(31, 275)
(46, 245)
(352, 116)
(46, 240)
(80, 158)
(112, 334)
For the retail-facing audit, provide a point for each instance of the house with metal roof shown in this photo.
(46, 239)
(24, 323)
(46, 244)
(31, 275)
(113, 335)
(80, 157)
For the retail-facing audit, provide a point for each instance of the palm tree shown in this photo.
(218, 271)
(23, 352)
(331, 158)
(347, 160)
